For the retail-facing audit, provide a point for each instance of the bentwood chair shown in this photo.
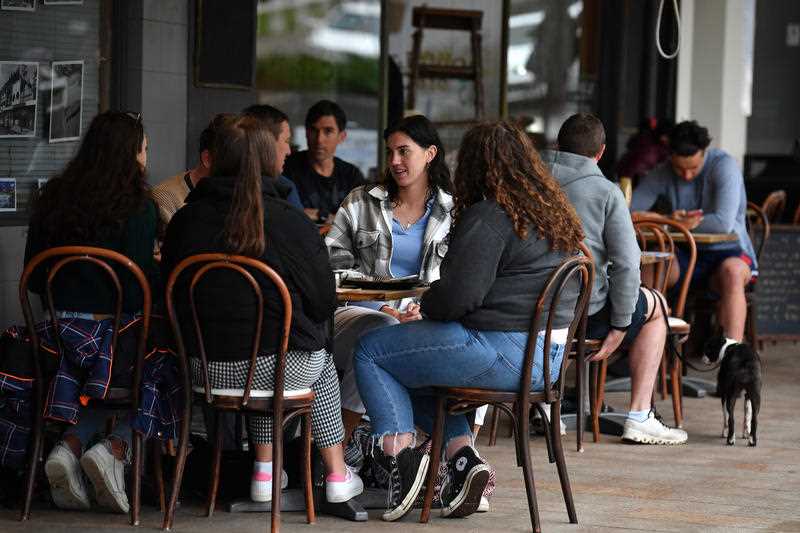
(655, 233)
(110, 264)
(185, 279)
(462, 399)
(589, 347)
(774, 205)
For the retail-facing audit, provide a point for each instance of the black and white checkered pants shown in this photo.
(314, 370)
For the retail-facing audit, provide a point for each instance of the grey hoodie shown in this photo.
(609, 232)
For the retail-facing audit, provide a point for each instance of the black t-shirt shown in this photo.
(322, 192)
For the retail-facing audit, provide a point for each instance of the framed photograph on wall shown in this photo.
(8, 194)
(63, 2)
(18, 5)
(66, 101)
(19, 88)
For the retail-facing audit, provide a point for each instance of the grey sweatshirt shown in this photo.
(491, 279)
(609, 232)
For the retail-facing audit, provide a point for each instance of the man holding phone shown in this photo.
(706, 190)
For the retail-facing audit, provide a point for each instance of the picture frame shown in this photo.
(63, 2)
(8, 195)
(19, 102)
(18, 5)
(66, 101)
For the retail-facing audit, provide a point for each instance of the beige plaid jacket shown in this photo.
(361, 235)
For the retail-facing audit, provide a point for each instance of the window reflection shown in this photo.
(544, 84)
(329, 49)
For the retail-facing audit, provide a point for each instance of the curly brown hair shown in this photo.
(497, 161)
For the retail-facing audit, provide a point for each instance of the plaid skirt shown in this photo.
(304, 370)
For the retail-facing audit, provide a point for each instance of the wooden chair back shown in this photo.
(580, 269)
(197, 267)
(774, 205)
(53, 260)
(758, 226)
(649, 225)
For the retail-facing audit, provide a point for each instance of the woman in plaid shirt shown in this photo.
(395, 228)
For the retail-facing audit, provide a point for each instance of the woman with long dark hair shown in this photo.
(99, 199)
(237, 210)
(512, 226)
(392, 229)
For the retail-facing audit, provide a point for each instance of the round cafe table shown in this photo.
(352, 294)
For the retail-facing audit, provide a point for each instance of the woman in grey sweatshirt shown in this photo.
(512, 227)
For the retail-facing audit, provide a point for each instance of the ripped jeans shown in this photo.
(395, 365)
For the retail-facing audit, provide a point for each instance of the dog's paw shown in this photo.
(731, 441)
(751, 441)
(706, 360)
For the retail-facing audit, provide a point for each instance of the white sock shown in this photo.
(258, 466)
(639, 416)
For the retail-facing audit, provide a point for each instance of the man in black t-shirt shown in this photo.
(322, 179)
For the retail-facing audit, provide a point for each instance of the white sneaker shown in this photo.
(67, 486)
(652, 431)
(261, 486)
(342, 491)
(107, 474)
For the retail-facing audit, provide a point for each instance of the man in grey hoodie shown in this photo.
(620, 313)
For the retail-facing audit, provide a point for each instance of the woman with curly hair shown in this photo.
(512, 226)
(392, 229)
(100, 199)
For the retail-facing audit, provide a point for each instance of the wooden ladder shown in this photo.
(447, 19)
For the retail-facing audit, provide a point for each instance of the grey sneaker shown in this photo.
(107, 474)
(67, 486)
(652, 431)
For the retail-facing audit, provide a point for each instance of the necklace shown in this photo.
(410, 221)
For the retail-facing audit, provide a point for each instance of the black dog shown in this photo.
(740, 370)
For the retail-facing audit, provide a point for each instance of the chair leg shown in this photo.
(136, 489)
(494, 424)
(180, 463)
(158, 473)
(311, 516)
(561, 465)
(594, 407)
(675, 376)
(751, 323)
(435, 458)
(548, 432)
(524, 452)
(277, 468)
(215, 464)
(33, 464)
(579, 418)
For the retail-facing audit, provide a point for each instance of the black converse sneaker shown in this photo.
(464, 486)
(407, 474)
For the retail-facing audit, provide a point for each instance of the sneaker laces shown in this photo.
(393, 494)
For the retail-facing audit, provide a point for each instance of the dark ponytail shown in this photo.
(245, 150)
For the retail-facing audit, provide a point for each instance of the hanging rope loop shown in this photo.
(674, 54)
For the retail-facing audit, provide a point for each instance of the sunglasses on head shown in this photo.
(135, 115)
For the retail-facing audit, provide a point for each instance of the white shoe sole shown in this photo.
(483, 507)
(633, 435)
(408, 502)
(105, 496)
(64, 493)
(468, 500)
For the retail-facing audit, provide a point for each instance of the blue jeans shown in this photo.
(395, 364)
(93, 421)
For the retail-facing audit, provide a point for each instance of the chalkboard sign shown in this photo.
(225, 49)
(778, 287)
